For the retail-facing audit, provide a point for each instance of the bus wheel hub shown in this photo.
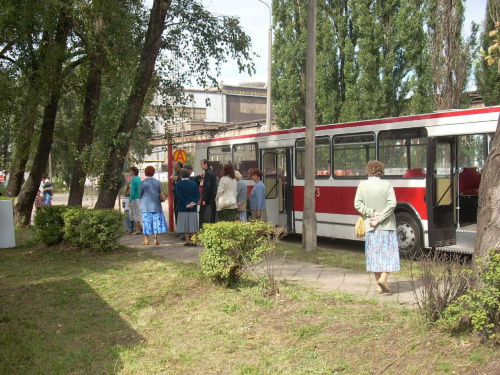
(405, 237)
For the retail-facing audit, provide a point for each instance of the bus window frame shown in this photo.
(246, 175)
(232, 146)
(407, 167)
(374, 142)
(317, 177)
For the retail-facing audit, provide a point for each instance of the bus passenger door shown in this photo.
(276, 172)
(441, 191)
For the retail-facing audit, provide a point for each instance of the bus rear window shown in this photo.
(351, 153)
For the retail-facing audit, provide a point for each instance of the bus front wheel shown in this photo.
(409, 235)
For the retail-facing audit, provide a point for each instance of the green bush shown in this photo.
(479, 308)
(73, 217)
(101, 229)
(96, 230)
(49, 224)
(230, 246)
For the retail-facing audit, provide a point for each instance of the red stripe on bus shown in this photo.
(340, 199)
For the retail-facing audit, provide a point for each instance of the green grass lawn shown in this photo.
(129, 312)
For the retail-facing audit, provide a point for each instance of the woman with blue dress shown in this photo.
(375, 200)
(153, 220)
(258, 197)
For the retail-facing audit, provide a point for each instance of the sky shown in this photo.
(254, 18)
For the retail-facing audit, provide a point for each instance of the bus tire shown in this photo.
(409, 235)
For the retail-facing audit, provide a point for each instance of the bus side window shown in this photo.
(245, 159)
(351, 153)
(404, 152)
(323, 157)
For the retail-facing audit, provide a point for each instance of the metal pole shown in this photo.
(309, 220)
(269, 62)
(50, 167)
(268, 102)
(170, 170)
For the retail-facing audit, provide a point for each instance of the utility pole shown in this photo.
(269, 60)
(309, 222)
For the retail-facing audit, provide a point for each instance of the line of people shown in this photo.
(223, 200)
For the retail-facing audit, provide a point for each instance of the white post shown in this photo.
(269, 61)
(269, 58)
(7, 234)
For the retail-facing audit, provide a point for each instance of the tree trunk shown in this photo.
(86, 133)
(488, 218)
(309, 230)
(23, 139)
(112, 177)
(24, 206)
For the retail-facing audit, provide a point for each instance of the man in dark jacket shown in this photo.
(207, 207)
(176, 177)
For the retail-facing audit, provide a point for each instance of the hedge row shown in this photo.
(96, 230)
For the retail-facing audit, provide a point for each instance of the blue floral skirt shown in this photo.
(153, 223)
(382, 251)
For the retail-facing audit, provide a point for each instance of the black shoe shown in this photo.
(187, 244)
(192, 244)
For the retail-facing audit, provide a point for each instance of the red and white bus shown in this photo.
(433, 161)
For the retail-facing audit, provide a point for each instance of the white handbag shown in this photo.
(225, 201)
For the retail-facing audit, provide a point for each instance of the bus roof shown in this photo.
(389, 120)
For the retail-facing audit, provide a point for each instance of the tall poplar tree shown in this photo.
(487, 77)
(336, 33)
(370, 60)
(289, 62)
(450, 61)
(389, 38)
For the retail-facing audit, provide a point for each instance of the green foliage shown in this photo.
(96, 230)
(450, 55)
(101, 230)
(479, 308)
(371, 57)
(230, 246)
(487, 77)
(73, 217)
(49, 224)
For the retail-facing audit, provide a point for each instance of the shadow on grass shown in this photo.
(61, 327)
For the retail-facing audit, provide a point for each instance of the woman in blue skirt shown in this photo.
(153, 220)
(188, 194)
(375, 200)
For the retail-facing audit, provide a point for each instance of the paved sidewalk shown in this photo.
(324, 278)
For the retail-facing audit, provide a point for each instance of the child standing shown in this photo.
(48, 192)
(129, 226)
(38, 199)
